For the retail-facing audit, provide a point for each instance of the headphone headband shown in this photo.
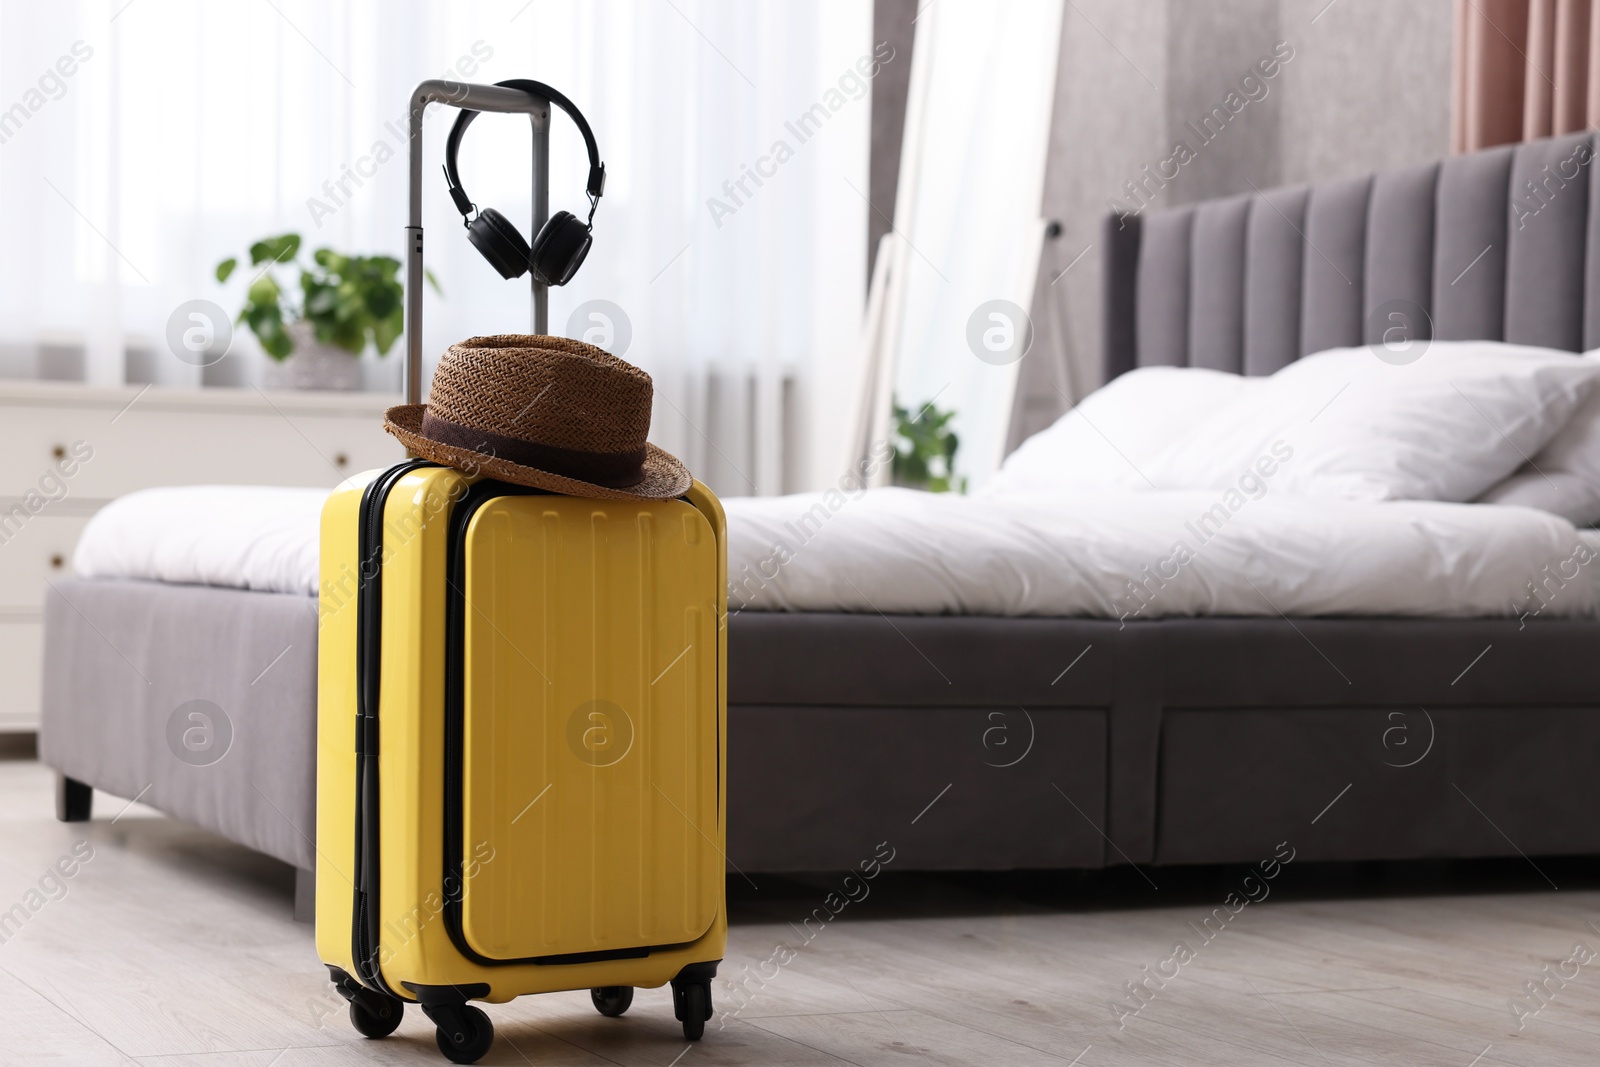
(596, 184)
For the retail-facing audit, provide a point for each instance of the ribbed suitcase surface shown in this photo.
(589, 645)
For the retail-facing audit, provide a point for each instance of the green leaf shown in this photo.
(383, 302)
(348, 334)
(267, 324)
(225, 268)
(351, 341)
(386, 330)
(275, 249)
(331, 261)
(925, 453)
(320, 302)
(428, 274)
(279, 345)
(264, 290)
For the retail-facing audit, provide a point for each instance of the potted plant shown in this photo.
(925, 450)
(345, 303)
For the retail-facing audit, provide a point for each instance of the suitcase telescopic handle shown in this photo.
(471, 97)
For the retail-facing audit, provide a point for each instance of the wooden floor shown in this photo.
(173, 947)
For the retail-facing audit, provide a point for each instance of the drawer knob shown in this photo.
(341, 459)
(59, 452)
(56, 561)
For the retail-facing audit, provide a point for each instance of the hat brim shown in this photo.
(665, 478)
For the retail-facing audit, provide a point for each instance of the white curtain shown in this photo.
(186, 129)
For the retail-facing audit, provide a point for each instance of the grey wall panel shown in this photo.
(1366, 91)
(1335, 255)
(1546, 224)
(1210, 48)
(1469, 272)
(1162, 325)
(1274, 260)
(1216, 293)
(1400, 242)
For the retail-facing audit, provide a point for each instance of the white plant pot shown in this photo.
(312, 364)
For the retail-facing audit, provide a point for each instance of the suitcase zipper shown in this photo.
(369, 632)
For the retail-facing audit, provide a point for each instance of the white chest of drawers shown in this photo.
(136, 438)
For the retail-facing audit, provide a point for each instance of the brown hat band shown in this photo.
(614, 470)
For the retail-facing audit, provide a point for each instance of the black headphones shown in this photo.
(559, 248)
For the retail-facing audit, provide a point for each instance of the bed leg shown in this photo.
(74, 800)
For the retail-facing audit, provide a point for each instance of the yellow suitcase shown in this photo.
(521, 749)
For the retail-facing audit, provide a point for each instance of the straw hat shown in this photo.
(546, 412)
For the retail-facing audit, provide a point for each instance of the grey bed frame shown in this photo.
(994, 743)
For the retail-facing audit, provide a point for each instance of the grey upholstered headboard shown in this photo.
(1500, 245)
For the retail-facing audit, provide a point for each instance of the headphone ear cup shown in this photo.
(492, 234)
(560, 248)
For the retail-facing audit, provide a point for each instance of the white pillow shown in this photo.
(1445, 427)
(1114, 432)
(1564, 478)
(1558, 492)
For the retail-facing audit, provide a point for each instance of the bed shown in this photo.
(1366, 679)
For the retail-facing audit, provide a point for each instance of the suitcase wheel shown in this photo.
(691, 1002)
(378, 1017)
(612, 1000)
(372, 1013)
(464, 1032)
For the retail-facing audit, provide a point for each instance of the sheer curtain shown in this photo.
(143, 141)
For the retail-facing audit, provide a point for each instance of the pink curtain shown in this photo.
(1522, 70)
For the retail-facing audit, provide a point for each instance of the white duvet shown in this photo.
(1152, 554)
(241, 536)
(1107, 554)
